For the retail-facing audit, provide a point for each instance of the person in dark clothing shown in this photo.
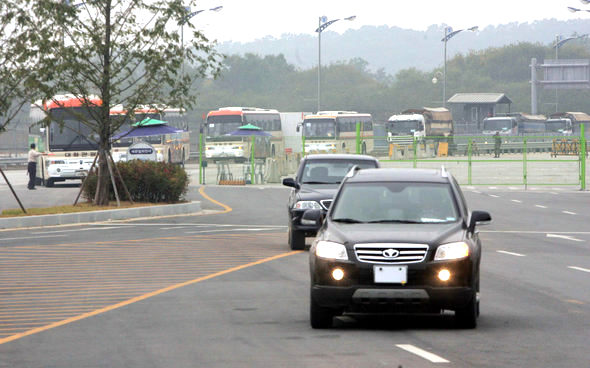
(497, 144)
(32, 166)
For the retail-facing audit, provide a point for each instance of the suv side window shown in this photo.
(463, 203)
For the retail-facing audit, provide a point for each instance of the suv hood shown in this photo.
(317, 192)
(394, 233)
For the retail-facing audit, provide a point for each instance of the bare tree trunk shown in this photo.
(103, 187)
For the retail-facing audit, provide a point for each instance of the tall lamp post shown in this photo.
(449, 33)
(185, 19)
(324, 23)
(560, 41)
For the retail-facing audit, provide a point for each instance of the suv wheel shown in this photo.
(320, 317)
(296, 239)
(466, 317)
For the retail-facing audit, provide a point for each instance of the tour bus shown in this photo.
(170, 147)
(220, 145)
(70, 143)
(335, 132)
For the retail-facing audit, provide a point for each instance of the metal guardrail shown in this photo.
(13, 161)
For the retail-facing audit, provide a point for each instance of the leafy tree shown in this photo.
(125, 52)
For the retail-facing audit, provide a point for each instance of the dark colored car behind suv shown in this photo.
(396, 240)
(314, 187)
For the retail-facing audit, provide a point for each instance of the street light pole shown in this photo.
(324, 23)
(449, 33)
(184, 20)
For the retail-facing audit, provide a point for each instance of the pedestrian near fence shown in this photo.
(32, 166)
(497, 144)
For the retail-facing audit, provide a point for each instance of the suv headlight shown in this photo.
(307, 205)
(451, 251)
(331, 250)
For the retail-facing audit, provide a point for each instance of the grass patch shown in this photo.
(81, 207)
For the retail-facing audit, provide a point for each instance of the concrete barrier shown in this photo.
(100, 216)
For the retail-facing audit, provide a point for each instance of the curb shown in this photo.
(99, 216)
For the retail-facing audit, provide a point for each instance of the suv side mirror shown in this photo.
(290, 182)
(479, 218)
(312, 217)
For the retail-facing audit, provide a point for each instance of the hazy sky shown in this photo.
(246, 20)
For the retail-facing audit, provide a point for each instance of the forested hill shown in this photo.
(393, 49)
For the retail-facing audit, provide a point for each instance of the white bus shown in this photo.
(70, 143)
(219, 145)
(170, 147)
(335, 132)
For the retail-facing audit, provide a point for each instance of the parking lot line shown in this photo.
(422, 353)
(579, 269)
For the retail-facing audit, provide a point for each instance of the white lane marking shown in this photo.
(568, 212)
(516, 201)
(422, 353)
(495, 196)
(492, 187)
(553, 193)
(512, 188)
(511, 253)
(564, 237)
(174, 227)
(224, 230)
(557, 188)
(76, 230)
(579, 269)
(34, 237)
(470, 187)
(476, 192)
(540, 206)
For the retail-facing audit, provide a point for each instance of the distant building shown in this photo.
(469, 109)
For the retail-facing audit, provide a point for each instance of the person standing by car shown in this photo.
(497, 144)
(32, 166)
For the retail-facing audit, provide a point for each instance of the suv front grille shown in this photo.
(326, 203)
(390, 253)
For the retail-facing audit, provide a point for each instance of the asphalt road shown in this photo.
(223, 290)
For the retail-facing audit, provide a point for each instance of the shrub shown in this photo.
(147, 181)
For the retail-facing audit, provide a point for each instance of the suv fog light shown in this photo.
(338, 274)
(444, 275)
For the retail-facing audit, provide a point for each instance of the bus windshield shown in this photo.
(319, 128)
(266, 122)
(404, 126)
(220, 125)
(498, 125)
(68, 133)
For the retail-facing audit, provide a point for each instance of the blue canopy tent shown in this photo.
(250, 130)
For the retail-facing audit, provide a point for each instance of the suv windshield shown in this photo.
(402, 202)
(330, 171)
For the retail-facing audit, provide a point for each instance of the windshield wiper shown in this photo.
(394, 222)
(348, 220)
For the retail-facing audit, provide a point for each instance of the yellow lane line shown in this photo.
(51, 312)
(139, 298)
(225, 207)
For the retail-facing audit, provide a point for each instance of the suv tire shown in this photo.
(296, 239)
(320, 317)
(466, 317)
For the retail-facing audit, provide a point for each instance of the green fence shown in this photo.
(487, 160)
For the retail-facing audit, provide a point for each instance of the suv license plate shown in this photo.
(390, 274)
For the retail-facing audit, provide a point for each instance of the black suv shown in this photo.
(396, 240)
(316, 183)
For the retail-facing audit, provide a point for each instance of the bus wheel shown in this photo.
(364, 149)
(49, 182)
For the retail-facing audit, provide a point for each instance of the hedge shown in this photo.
(147, 181)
